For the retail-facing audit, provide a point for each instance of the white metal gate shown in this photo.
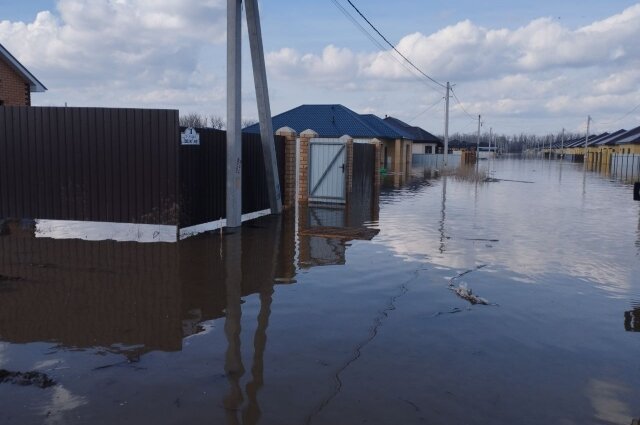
(327, 163)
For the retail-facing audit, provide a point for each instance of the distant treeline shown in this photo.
(515, 143)
(197, 120)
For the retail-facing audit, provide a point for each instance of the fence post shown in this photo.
(348, 140)
(289, 192)
(303, 178)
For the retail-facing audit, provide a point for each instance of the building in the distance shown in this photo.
(16, 82)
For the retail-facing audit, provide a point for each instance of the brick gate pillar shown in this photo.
(289, 190)
(305, 138)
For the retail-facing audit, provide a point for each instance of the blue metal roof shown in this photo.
(611, 138)
(331, 121)
(596, 139)
(385, 130)
(630, 137)
(416, 134)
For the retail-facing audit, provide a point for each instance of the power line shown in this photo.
(426, 110)
(461, 106)
(377, 43)
(394, 47)
(621, 118)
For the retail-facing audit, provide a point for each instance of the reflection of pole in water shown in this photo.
(443, 214)
(252, 413)
(638, 237)
(560, 172)
(233, 367)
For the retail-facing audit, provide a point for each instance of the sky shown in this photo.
(525, 66)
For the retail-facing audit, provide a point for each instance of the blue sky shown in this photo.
(530, 66)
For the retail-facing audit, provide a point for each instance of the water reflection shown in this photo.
(135, 298)
(542, 226)
(443, 215)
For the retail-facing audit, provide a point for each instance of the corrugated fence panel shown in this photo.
(364, 163)
(89, 164)
(203, 179)
(203, 176)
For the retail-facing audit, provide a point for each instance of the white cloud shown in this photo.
(170, 53)
(541, 68)
(118, 51)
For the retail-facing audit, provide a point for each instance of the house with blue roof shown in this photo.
(335, 121)
(423, 141)
(629, 142)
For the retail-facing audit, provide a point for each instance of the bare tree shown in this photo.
(217, 122)
(248, 121)
(193, 120)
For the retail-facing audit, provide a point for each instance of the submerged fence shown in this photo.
(435, 161)
(120, 166)
(89, 164)
(625, 167)
(203, 178)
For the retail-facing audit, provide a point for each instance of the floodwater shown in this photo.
(272, 326)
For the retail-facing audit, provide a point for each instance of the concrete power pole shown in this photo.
(264, 109)
(234, 114)
(446, 126)
(478, 144)
(586, 141)
(562, 146)
(490, 140)
(234, 110)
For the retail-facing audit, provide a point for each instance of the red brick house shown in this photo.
(16, 82)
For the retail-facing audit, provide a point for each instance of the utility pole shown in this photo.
(478, 144)
(586, 141)
(490, 139)
(234, 110)
(234, 114)
(446, 126)
(562, 146)
(264, 109)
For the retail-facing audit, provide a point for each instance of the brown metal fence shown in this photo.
(119, 165)
(90, 164)
(203, 176)
(364, 169)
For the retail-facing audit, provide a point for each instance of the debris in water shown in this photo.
(344, 233)
(38, 379)
(467, 294)
(284, 280)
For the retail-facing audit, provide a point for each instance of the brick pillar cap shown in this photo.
(346, 138)
(286, 131)
(308, 133)
(374, 140)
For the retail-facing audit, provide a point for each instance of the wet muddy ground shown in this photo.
(512, 300)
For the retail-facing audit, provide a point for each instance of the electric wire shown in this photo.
(394, 47)
(619, 119)
(426, 110)
(461, 105)
(378, 44)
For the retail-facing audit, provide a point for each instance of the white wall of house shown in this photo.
(422, 148)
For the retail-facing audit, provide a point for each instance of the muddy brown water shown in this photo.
(264, 327)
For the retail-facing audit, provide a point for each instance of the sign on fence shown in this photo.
(190, 137)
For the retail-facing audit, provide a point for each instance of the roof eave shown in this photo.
(35, 86)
